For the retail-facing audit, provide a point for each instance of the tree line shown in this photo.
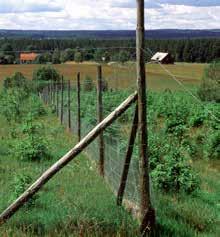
(62, 50)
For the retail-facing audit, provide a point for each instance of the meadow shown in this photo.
(120, 76)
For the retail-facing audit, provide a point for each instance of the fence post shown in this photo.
(78, 108)
(61, 104)
(147, 212)
(99, 119)
(69, 106)
(48, 94)
(128, 158)
(57, 98)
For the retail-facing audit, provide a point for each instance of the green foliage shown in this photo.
(17, 81)
(33, 147)
(43, 75)
(174, 174)
(56, 57)
(20, 184)
(10, 104)
(210, 87)
(78, 58)
(212, 147)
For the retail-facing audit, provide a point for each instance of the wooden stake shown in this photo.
(78, 108)
(128, 158)
(69, 106)
(61, 104)
(55, 168)
(57, 98)
(146, 209)
(99, 119)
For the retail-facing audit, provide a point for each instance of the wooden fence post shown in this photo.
(128, 158)
(99, 119)
(69, 106)
(147, 212)
(57, 98)
(61, 104)
(78, 108)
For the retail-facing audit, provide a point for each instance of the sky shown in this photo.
(108, 14)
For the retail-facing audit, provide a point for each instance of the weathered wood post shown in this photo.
(57, 98)
(147, 212)
(69, 106)
(78, 108)
(61, 104)
(128, 158)
(99, 119)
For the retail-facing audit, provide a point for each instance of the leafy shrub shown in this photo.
(21, 183)
(198, 118)
(212, 148)
(33, 147)
(10, 105)
(88, 84)
(43, 75)
(174, 174)
(17, 81)
(210, 87)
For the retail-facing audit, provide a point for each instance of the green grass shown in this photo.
(76, 200)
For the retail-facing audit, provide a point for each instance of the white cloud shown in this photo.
(107, 14)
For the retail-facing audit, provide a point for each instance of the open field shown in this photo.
(121, 76)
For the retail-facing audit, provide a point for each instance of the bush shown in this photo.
(43, 75)
(212, 148)
(11, 104)
(33, 147)
(210, 87)
(17, 81)
(20, 184)
(174, 174)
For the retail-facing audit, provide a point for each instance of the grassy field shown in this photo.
(67, 206)
(121, 76)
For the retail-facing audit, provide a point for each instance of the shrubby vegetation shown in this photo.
(210, 87)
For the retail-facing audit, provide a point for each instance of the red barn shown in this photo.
(28, 57)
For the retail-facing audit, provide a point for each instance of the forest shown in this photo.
(61, 50)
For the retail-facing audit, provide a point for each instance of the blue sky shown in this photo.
(107, 14)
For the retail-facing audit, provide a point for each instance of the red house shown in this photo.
(28, 57)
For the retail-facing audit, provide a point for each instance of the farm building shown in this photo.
(164, 58)
(28, 57)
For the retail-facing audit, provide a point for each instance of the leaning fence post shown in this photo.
(61, 104)
(69, 107)
(100, 118)
(128, 158)
(78, 108)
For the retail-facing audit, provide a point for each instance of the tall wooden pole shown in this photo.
(78, 108)
(100, 118)
(69, 106)
(147, 212)
(57, 98)
(61, 104)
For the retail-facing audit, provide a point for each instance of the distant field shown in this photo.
(121, 76)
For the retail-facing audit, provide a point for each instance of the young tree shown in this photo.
(78, 57)
(56, 57)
